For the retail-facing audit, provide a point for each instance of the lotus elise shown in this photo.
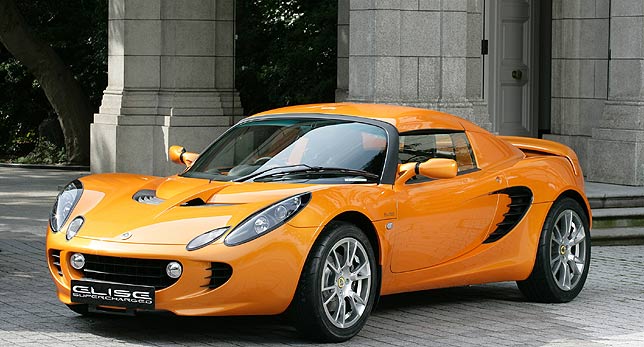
(319, 210)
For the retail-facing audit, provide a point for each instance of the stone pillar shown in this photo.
(616, 150)
(417, 53)
(343, 51)
(579, 72)
(474, 63)
(170, 81)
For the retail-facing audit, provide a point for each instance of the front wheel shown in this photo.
(563, 256)
(338, 285)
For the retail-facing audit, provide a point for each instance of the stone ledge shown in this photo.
(618, 235)
(605, 213)
(47, 166)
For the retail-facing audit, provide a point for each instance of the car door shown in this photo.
(441, 219)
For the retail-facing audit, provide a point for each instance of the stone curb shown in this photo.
(618, 212)
(47, 166)
(602, 191)
(618, 236)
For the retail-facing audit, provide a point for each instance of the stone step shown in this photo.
(602, 195)
(618, 217)
(616, 202)
(617, 236)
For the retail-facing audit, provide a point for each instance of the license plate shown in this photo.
(112, 294)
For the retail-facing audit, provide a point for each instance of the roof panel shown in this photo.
(402, 117)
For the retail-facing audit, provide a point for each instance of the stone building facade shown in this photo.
(567, 70)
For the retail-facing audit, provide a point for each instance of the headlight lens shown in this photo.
(205, 239)
(64, 204)
(174, 269)
(74, 227)
(77, 260)
(267, 219)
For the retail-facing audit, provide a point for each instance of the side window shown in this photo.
(418, 147)
(463, 152)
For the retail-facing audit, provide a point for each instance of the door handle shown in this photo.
(517, 74)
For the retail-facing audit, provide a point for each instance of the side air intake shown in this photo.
(520, 201)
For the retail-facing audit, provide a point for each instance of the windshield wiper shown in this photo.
(322, 170)
(259, 173)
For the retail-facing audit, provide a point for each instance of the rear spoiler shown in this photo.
(544, 147)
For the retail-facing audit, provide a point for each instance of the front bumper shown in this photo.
(265, 272)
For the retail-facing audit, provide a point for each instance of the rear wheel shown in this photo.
(563, 256)
(337, 288)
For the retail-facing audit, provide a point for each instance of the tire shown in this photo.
(559, 254)
(328, 285)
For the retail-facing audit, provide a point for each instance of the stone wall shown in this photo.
(423, 53)
(598, 86)
(170, 67)
(579, 71)
(616, 150)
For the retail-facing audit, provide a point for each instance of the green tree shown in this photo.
(286, 52)
(58, 55)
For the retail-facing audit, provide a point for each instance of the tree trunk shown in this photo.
(64, 93)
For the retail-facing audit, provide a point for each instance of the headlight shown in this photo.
(267, 219)
(64, 204)
(205, 239)
(74, 227)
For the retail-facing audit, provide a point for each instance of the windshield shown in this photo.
(295, 149)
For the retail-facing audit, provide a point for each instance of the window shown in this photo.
(419, 147)
(258, 145)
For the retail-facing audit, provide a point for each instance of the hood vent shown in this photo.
(194, 202)
(147, 196)
(197, 202)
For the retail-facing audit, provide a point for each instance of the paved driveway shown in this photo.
(608, 312)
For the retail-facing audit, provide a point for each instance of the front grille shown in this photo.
(144, 272)
(220, 273)
(55, 260)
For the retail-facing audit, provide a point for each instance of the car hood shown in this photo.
(173, 210)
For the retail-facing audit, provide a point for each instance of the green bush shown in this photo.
(44, 153)
(77, 31)
(286, 53)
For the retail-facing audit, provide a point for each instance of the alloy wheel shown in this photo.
(568, 250)
(346, 282)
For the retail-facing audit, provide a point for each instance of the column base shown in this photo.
(134, 128)
(617, 156)
(143, 149)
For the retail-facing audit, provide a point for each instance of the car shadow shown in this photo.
(504, 291)
(164, 327)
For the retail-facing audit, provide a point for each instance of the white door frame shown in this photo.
(492, 66)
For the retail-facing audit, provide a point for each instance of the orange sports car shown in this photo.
(318, 210)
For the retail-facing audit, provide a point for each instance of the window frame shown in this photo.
(450, 132)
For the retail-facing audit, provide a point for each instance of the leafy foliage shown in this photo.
(44, 153)
(286, 52)
(77, 30)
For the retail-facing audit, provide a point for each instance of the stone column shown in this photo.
(579, 72)
(616, 150)
(343, 51)
(474, 63)
(170, 81)
(416, 53)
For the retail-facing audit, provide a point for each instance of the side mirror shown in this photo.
(438, 168)
(432, 168)
(178, 154)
